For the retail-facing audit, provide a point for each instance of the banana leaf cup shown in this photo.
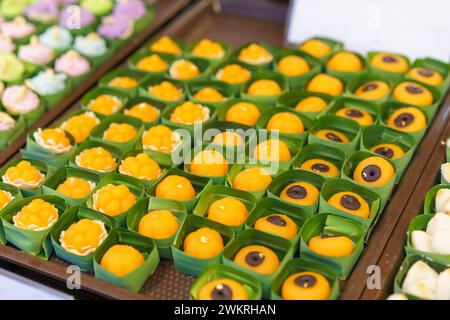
(146, 84)
(236, 87)
(154, 103)
(187, 263)
(216, 179)
(436, 65)
(298, 265)
(105, 81)
(141, 54)
(258, 66)
(213, 61)
(363, 79)
(10, 135)
(133, 280)
(15, 194)
(202, 64)
(96, 92)
(281, 247)
(291, 99)
(222, 111)
(335, 46)
(167, 113)
(393, 76)
(429, 206)
(326, 224)
(348, 102)
(219, 271)
(146, 205)
(36, 243)
(280, 79)
(225, 89)
(346, 76)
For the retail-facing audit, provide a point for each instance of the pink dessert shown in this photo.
(18, 28)
(6, 44)
(36, 53)
(19, 100)
(72, 64)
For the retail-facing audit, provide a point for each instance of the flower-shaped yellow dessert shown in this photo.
(105, 104)
(255, 54)
(53, 140)
(113, 200)
(209, 163)
(158, 224)
(245, 113)
(176, 188)
(264, 87)
(233, 74)
(160, 138)
(208, 49)
(311, 104)
(140, 166)
(252, 179)
(209, 94)
(344, 61)
(228, 211)
(184, 69)
(315, 47)
(121, 259)
(120, 132)
(96, 159)
(166, 45)
(24, 175)
(272, 150)
(166, 91)
(293, 66)
(123, 82)
(286, 122)
(80, 126)
(76, 188)
(5, 198)
(83, 237)
(228, 138)
(143, 111)
(36, 216)
(190, 113)
(152, 63)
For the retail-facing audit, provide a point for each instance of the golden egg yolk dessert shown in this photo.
(344, 61)
(350, 202)
(54, 140)
(325, 83)
(143, 111)
(293, 66)
(388, 150)
(228, 138)
(264, 87)
(122, 259)
(119, 132)
(123, 82)
(166, 45)
(306, 285)
(141, 167)
(389, 62)
(209, 94)
(23, 175)
(166, 91)
(97, 159)
(301, 193)
(228, 211)
(190, 113)
(315, 47)
(255, 54)
(233, 74)
(373, 90)
(160, 138)
(105, 104)
(204, 243)
(359, 115)
(152, 63)
(158, 224)
(208, 49)
(175, 188)
(311, 104)
(373, 172)
(286, 122)
(331, 245)
(426, 75)
(209, 163)
(5, 198)
(252, 179)
(184, 69)
(245, 113)
(113, 200)
(222, 289)
(83, 237)
(75, 188)
(257, 258)
(36, 216)
(413, 93)
(277, 224)
(332, 135)
(320, 166)
(407, 119)
(272, 150)
(80, 126)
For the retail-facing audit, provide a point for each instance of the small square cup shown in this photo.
(261, 66)
(203, 65)
(364, 78)
(429, 206)
(344, 102)
(223, 109)
(225, 89)
(280, 79)
(155, 80)
(167, 113)
(213, 62)
(105, 81)
(236, 87)
(134, 60)
(16, 196)
(156, 104)
(393, 76)
(94, 93)
(335, 46)
(291, 99)
(346, 76)
(436, 65)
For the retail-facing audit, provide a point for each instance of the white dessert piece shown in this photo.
(397, 296)
(419, 271)
(443, 285)
(421, 241)
(445, 171)
(440, 242)
(440, 221)
(443, 200)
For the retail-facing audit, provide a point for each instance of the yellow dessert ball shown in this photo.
(208, 49)
(277, 224)
(113, 200)
(228, 138)
(389, 62)
(306, 285)
(143, 111)
(258, 258)
(209, 94)
(320, 166)
(152, 63)
(286, 122)
(388, 150)
(53, 139)
(252, 179)
(36, 215)
(407, 119)
(184, 69)
(272, 150)
(80, 126)
(332, 135)
(325, 83)
(245, 113)
(166, 90)
(189, 113)
(372, 90)
(301, 193)
(76, 188)
(331, 246)
(359, 115)
(264, 87)
(344, 61)
(293, 66)
(158, 224)
(204, 243)
(413, 93)
(122, 259)
(96, 159)
(83, 237)
(175, 188)
(123, 82)
(5, 198)
(311, 104)
(23, 175)
(141, 167)
(233, 74)
(166, 45)
(255, 54)
(350, 202)
(120, 132)
(373, 172)
(209, 163)
(426, 75)
(223, 289)
(228, 211)
(105, 104)
(315, 47)
(160, 138)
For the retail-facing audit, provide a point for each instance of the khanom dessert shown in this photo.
(255, 54)
(96, 159)
(11, 68)
(389, 62)
(204, 243)
(184, 69)
(115, 27)
(407, 119)
(228, 138)
(325, 83)
(331, 135)
(209, 163)
(372, 90)
(54, 140)
(331, 245)
(175, 188)
(320, 166)
(293, 66)
(311, 104)
(6, 122)
(277, 224)
(166, 45)
(252, 179)
(83, 237)
(57, 38)
(47, 82)
(141, 167)
(152, 63)
(359, 115)
(436, 237)
(166, 91)
(91, 46)
(426, 75)
(5, 198)
(373, 172)
(233, 74)
(36, 53)
(18, 28)
(190, 113)
(113, 200)
(131, 9)
(315, 47)
(272, 150)
(72, 64)
(98, 7)
(121, 259)
(84, 18)
(301, 193)
(208, 49)
(12, 8)
(388, 150)
(123, 82)
(119, 132)
(6, 44)
(19, 100)
(43, 11)
(285, 122)
(257, 258)
(144, 111)
(350, 202)
(158, 224)
(443, 200)
(245, 113)
(344, 61)
(38, 215)
(222, 289)
(209, 94)
(75, 188)
(264, 87)
(397, 296)
(160, 138)
(306, 285)
(81, 125)
(228, 211)
(105, 104)
(413, 93)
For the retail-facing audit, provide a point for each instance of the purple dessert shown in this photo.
(75, 17)
(115, 27)
(132, 9)
(44, 11)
